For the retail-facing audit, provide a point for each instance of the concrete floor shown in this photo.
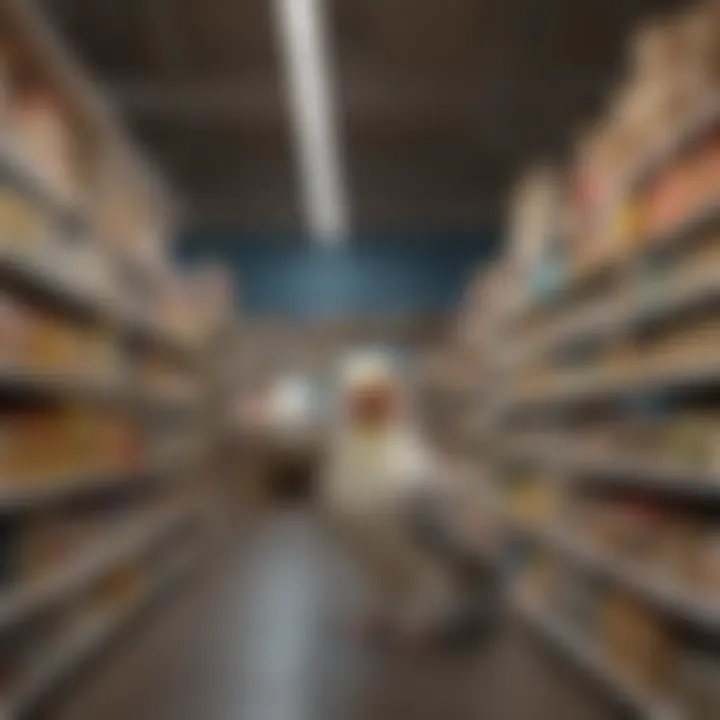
(261, 636)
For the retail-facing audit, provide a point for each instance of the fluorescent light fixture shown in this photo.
(314, 131)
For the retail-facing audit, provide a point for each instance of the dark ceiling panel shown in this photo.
(440, 103)
(109, 37)
(229, 37)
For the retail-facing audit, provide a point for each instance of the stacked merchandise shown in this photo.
(451, 399)
(606, 436)
(102, 373)
(458, 394)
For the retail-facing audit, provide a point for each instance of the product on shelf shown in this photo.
(38, 340)
(610, 403)
(536, 231)
(637, 642)
(39, 131)
(25, 227)
(43, 446)
(88, 286)
(686, 187)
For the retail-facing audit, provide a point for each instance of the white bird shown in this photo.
(377, 469)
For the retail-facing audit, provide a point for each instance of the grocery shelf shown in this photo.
(17, 604)
(18, 173)
(146, 332)
(642, 703)
(32, 494)
(40, 279)
(601, 326)
(702, 121)
(597, 387)
(599, 271)
(173, 402)
(44, 280)
(592, 326)
(701, 220)
(665, 594)
(617, 467)
(666, 478)
(608, 384)
(80, 646)
(61, 384)
(112, 298)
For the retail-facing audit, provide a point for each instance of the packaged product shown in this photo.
(534, 501)
(40, 132)
(700, 29)
(602, 216)
(24, 226)
(656, 48)
(15, 326)
(688, 441)
(696, 185)
(637, 641)
(535, 212)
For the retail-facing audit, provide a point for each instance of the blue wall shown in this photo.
(368, 278)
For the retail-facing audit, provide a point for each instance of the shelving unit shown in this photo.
(106, 354)
(583, 653)
(19, 604)
(73, 652)
(600, 445)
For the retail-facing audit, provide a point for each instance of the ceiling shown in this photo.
(441, 104)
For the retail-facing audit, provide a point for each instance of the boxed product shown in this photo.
(40, 132)
(535, 228)
(603, 159)
(15, 331)
(685, 43)
(684, 188)
(638, 642)
(25, 228)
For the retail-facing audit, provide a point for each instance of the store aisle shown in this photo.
(261, 637)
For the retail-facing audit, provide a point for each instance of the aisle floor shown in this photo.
(260, 636)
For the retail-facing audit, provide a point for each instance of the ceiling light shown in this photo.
(314, 130)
